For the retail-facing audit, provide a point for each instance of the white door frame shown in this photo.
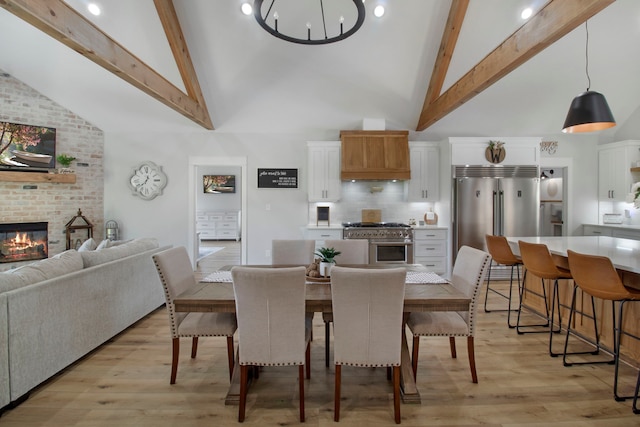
(568, 179)
(194, 162)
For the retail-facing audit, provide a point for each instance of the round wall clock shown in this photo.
(147, 180)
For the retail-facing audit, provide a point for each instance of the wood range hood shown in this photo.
(375, 155)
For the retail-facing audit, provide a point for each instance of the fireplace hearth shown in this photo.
(24, 241)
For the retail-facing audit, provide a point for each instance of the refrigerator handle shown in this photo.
(496, 214)
(501, 211)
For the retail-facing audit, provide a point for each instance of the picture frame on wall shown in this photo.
(219, 184)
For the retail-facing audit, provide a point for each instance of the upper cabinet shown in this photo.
(424, 185)
(324, 171)
(375, 155)
(614, 169)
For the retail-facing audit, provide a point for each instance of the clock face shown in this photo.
(147, 180)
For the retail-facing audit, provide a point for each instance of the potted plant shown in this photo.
(65, 161)
(327, 259)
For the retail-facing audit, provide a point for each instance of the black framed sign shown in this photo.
(277, 178)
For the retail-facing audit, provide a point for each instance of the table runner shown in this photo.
(412, 277)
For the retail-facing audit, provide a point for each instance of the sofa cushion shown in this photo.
(88, 245)
(63, 263)
(106, 243)
(135, 246)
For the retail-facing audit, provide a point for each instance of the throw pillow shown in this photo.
(88, 245)
(106, 243)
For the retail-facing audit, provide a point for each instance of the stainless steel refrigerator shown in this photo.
(500, 200)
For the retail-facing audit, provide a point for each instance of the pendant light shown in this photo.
(589, 110)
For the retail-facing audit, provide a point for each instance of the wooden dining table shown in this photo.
(219, 297)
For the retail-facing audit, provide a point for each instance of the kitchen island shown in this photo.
(625, 256)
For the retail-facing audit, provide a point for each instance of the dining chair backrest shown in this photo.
(367, 315)
(352, 251)
(176, 275)
(500, 251)
(292, 252)
(537, 259)
(270, 307)
(469, 272)
(597, 276)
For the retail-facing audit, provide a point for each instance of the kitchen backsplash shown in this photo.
(388, 196)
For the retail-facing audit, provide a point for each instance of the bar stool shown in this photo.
(502, 254)
(537, 259)
(597, 277)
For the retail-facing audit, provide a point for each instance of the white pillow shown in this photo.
(88, 245)
(106, 243)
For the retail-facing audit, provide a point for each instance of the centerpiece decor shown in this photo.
(65, 161)
(327, 260)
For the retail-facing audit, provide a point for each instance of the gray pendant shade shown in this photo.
(588, 112)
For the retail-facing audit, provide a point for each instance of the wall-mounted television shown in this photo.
(27, 147)
(217, 184)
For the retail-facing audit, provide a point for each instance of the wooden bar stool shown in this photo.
(537, 260)
(597, 277)
(502, 254)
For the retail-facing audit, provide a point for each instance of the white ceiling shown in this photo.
(254, 82)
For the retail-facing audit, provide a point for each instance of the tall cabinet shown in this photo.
(324, 171)
(424, 185)
(615, 161)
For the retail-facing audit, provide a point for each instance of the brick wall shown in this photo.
(55, 203)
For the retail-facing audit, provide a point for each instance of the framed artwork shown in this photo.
(219, 184)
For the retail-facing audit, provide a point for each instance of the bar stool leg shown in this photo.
(555, 300)
(635, 408)
(546, 307)
(517, 266)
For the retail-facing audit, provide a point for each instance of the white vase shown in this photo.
(325, 268)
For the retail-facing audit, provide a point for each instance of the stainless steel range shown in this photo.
(389, 242)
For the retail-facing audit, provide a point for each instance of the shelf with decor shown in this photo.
(67, 178)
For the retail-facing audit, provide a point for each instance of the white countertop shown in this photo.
(622, 226)
(624, 253)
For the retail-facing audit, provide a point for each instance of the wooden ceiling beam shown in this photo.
(447, 45)
(57, 19)
(552, 22)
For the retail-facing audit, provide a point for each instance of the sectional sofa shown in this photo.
(55, 311)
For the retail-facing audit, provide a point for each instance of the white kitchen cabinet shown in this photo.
(218, 225)
(620, 231)
(320, 234)
(424, 185)
(324, 183)
(594, 230)
(614, 169)
(430, 248)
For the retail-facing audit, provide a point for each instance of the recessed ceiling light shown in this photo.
(526, 13)
(94, 9)
(378, 11)
(247, 9)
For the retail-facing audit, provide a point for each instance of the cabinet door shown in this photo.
(324, 183)
(614, 176)
(424, 185)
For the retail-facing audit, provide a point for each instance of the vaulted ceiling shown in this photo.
(249, 81)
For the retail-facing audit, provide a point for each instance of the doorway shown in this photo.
(552, 197)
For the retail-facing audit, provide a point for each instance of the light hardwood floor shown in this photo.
(126, 383)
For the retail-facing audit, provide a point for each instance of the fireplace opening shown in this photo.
(24, 241)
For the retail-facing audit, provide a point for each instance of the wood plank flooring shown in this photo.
(126, 383)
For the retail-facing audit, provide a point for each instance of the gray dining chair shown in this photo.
(469, 272)
(352, 252)
(292, 252)
(272, 328)
(176, 274)
(367, 323)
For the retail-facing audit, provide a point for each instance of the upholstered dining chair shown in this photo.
(367, 326)
(469, 272)
(597, 277)
(501, 254)
(352, 252)
(272, 329)
(176, 274)
(538, 261)
(292, 252)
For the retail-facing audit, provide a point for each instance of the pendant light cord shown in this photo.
(586, 54)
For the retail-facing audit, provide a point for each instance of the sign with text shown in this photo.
(277, 178)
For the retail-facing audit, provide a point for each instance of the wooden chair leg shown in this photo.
(414, 355)
(301, 381)
(230, 355)
(244, 374)
(175, 354)
(472, 359)
(396, 393)
(336, 398)
(194, 347)
(307, 360)
(452, 344)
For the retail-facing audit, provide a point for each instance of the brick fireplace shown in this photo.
(26, 241)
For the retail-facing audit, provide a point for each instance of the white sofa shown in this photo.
(55, 311)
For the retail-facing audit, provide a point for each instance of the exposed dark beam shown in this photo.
(553, 21)
(64, 24)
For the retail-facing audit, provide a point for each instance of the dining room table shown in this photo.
(424, 291)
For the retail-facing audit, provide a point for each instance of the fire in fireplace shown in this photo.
(23, 241)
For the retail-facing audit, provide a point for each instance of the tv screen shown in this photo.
(26, 147)
(214, 184)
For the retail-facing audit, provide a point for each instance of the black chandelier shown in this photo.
(269, 21)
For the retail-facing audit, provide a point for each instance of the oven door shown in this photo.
(391, 253)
